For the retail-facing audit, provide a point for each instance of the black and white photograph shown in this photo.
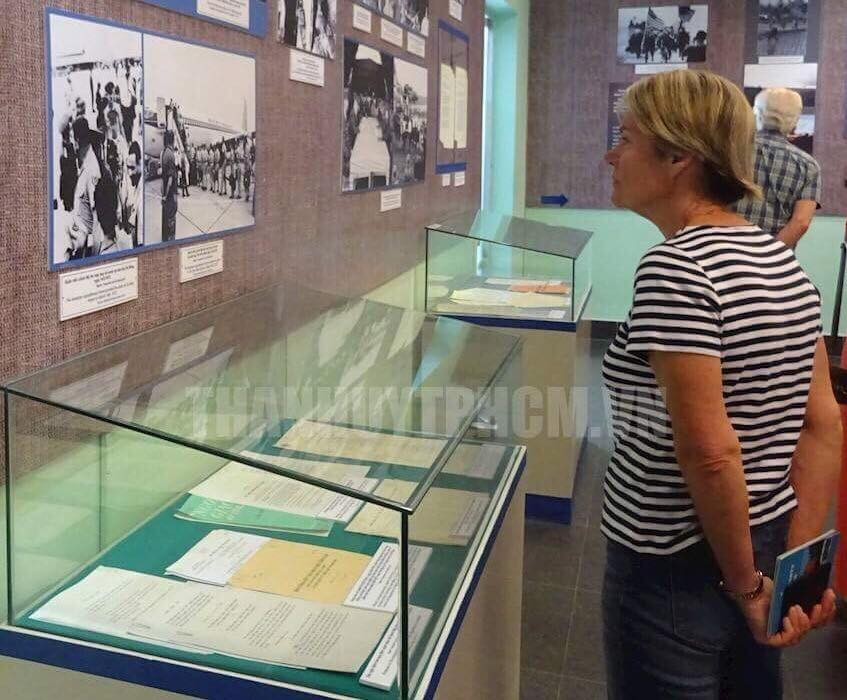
(384, 119)
(667, 34)
(411, 14)
(97, 150)
(800, 77)
(783, 27)
(199, 140)
(308, 25)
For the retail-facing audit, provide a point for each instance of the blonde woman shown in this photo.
(726, 433)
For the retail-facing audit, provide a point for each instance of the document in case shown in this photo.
(356, 443)
(461, 107)
(504, 282)
(479, 461)
(217, 557)
(447, 109)
(445, 516)
(208, 510)
(238, 483)
(379, 586)
(503, 297)
(265, 627)
(330, 471)
(305, 571)
(381, 671)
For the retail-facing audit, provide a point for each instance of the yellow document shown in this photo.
(321, 574)
(446, 516)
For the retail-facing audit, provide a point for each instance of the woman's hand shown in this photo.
(795, 625)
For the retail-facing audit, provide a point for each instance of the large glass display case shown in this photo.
(292, 487)
(490, 265)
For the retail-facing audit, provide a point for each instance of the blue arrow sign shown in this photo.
(555, 199)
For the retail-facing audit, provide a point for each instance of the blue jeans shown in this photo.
(670, 633)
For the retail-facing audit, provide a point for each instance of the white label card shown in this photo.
(459, 178)
(378, 588)
(305, 68)
(202, 260)
(445, 180)
(416, 44)
(652, 68)
(456, 9)
(381, 670)
(390, 199)
(391, 33)
(231, 11)
(97, 288)
(361, 19)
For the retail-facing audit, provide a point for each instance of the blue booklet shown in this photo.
(801, 577)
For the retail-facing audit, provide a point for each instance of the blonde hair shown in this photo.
(778, 108)
(700, 113)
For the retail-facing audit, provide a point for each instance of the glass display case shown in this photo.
(485, 264)
(291, 487)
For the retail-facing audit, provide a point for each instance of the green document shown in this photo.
(209, 510)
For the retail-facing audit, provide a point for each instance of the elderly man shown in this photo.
(789, 177)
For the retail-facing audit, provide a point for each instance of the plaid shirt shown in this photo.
(786, 175)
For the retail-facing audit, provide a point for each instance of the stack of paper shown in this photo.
(238, 483)
(356, 443)
(445, 516)
(216, 558)
(243, 624)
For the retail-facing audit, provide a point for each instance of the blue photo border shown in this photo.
(455, 167)
(51, 185)
(259, 11)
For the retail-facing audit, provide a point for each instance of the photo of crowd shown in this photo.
(668, 34)
(384, 119)
(411, 14)
(97, 157)
(200, 140)
(783, 27)
(308, 25)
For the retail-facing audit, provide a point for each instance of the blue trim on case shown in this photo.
(552, 508)
(524, 323)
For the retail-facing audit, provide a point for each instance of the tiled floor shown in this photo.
(562, 654)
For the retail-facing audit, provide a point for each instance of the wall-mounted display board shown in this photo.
(308, 25)
(668, 34)
(453, 59)
(248, 15)
(152, 140)
(781, 49)
(411, 14)
(384, 119)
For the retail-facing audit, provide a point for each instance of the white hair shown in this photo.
(779, 109)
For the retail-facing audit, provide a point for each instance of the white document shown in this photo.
(461, 107)
(790, 75)
(455, 9)
(446, 180)
(379, 586)
(459, 177)
(446, 108)
(335, 472)
(266, 627)
(355, 443)
(306, 68)
(653, 68)
(238, 483)
(503, 282)
(95, 288)
(185, 351)
(480, 296)
(201, 260)
(390, 200)
(361, 19)
(416, 44)
(217, 557)
(231, 11)
(391, 33)
(381, 671)
(479, 461)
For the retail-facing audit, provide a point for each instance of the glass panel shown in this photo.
(4, 570)
(582, 280)
(97, 504)
(291, 376)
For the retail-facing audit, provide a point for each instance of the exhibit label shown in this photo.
(459, 178)
(305, 68)
(201, 260)
(416, 45)
(391, 33)
(456, 9)
(361, 19)
(390, 199)
(97, 288)
(231, 11)
(445, 181)
(248, 15)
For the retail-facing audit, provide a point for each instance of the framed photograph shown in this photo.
(782, 31)
(384, 120)
(308, 25)
(409, 14)
(666, 34)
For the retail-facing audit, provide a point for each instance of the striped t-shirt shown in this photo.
(735, 293)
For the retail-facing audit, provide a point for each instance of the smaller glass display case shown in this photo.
(484, 264)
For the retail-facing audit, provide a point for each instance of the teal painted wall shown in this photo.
(621, 238)
(510, 48)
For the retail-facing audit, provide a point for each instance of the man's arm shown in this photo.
(798, 224)
(817, 459)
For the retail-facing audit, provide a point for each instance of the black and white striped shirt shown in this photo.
(735, 293)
